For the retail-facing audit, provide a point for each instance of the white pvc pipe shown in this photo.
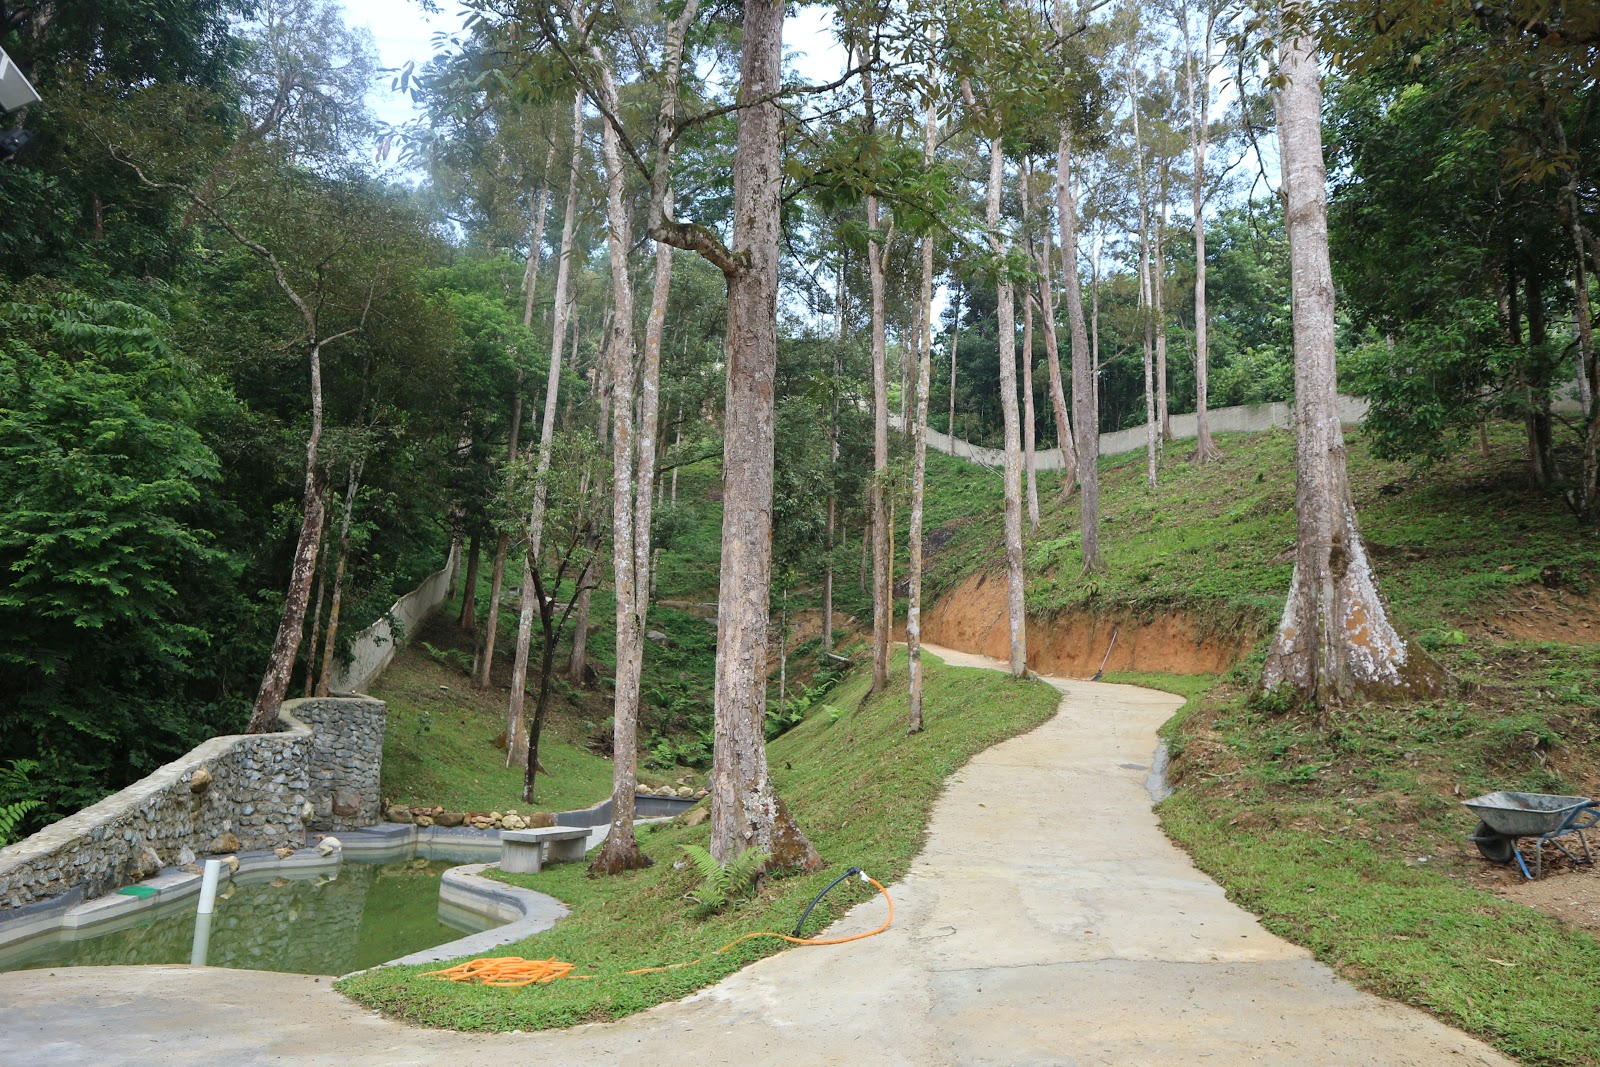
(208, 886)
(202, 940)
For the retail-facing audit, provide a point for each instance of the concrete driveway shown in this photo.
(1048, 921)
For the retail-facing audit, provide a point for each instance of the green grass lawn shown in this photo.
(860, 788)
(1348, 838)
(438, 747)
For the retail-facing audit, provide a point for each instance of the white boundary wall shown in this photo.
(374, 647)
(1247, 418)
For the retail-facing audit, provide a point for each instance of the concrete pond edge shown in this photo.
(519, 912)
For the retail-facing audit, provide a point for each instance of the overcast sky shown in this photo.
(404, 33)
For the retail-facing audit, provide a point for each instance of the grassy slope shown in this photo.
(1216, 540)
(861, 789)
(1346, 836)
(438, 747)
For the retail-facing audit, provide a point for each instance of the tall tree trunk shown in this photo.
(516, 743)
(1536, 418)
(1094, 320)
(1205, 449)
(833, 463)
(467, 618)
(550, 629)
(877, 492)
(1029, 460)
(746, 811)
(635, 460)
(1052, 355)
(1587, 496)
(783, 654)
(604, 394)
(316, 607)
(1158, 293)
(530, 276)
(291, 623)
(630, 499)
(331, 641)
(530, 286)
(1006, 330)
(677, 442)
(955, 335)
(1029, 429)
(578, 658)
(866, 552)
(919, 453)
(1085, 418)
(1146, 316)
(1335, 642)
(480, 670)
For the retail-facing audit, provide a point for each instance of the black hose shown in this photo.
(807, 913)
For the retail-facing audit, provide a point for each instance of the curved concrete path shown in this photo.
(1048, 921)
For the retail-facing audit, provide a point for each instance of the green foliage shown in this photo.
(449, 657)
(11, 816)
(114, 587)
(722, 883)
(16, 801)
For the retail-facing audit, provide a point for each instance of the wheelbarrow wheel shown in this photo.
(1494, 847)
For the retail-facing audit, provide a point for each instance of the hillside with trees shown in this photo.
(267, 361)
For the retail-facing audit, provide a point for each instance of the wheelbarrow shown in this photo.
(1544, 816)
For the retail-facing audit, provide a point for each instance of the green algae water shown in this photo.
(359, 915)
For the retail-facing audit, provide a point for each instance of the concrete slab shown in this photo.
(1018, 939)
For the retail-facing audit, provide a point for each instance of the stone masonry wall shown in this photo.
(343, 758)
(264, 789)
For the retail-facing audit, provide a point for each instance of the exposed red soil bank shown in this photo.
(972, 618)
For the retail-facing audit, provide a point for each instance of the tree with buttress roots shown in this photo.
(1335, 643)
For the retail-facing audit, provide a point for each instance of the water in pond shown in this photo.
(359, 915)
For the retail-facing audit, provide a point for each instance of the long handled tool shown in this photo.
(1104, 659)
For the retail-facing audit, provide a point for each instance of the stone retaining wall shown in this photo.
(263, 789)
(343, 759)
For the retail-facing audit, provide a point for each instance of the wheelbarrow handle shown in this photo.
(1585, 817)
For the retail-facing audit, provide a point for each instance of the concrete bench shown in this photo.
(525, 851)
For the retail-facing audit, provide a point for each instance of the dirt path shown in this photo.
(1047, 921)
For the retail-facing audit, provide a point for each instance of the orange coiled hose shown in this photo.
(511, 972)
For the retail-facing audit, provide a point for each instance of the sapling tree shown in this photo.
(556, 570)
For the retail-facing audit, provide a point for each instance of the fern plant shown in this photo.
(11, 815)
(14, 780)
(720, 884)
